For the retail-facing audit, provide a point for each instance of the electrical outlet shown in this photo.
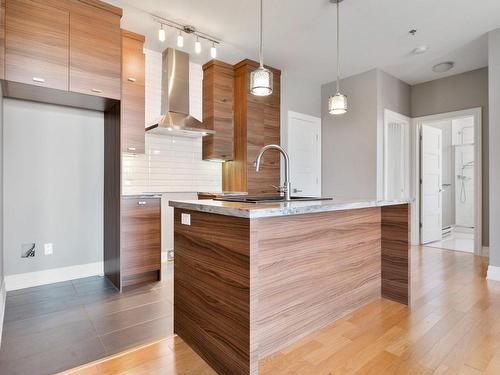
(186, 219)
(48, 249)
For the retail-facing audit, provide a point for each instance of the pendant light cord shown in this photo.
(338, 47)
(261, 57)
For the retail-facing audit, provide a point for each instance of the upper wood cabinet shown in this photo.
(36, 44)
(95, 52)
(256, 124)
(218, 110)
(133, 93)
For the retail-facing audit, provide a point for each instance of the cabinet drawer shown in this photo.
(141, 236)
(95, 54)
(36, 44)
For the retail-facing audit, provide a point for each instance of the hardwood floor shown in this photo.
(452, 327)
(55, 327)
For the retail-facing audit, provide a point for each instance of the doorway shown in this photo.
(304, 148)
(448, 180)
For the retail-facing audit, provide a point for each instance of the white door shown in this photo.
(304, 148)
(396, 155)
(431, 214)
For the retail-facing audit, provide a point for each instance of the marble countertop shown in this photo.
(256, 210)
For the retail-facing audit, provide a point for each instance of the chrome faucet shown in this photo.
(286, 188)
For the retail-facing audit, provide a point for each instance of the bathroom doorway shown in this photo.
(448, 180)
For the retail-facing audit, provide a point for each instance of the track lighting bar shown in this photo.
(187, 29)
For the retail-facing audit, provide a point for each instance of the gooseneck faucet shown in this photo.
(287, 186)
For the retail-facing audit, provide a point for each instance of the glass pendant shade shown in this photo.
(261, 82)
(337, 104)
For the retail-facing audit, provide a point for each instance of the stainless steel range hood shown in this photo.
(175, 118)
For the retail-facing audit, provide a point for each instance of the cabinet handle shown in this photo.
(38, 79)
(142, 203)
(131, 148)
(131, 79)
(96, 90)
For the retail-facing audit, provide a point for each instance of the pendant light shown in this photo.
(337, 104)
(261, 79)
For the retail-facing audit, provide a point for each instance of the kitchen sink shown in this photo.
(267, 199)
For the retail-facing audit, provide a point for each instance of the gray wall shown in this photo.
(298, 95)
(454, 93)
(349, 141)
(392, 94)
(53, 169)
(494, 140)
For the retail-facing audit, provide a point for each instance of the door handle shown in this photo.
(297, 190)
(38, 79)
(96, 91)
(131, 79)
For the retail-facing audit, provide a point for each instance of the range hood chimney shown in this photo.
(175, 118)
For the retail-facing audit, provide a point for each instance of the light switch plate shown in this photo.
(186, 219)
(48, 249)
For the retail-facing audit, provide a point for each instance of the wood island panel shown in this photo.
(312, 269)
(244, 288)
(396, 253)
(211, 281)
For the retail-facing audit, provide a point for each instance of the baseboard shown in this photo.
(493, 273)
(3, 294)
(54, 275)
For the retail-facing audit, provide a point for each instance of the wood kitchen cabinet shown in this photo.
(95, 52)
(36, 44)
(256, 124)
(140, 256)
(133, 93)
(218, 109)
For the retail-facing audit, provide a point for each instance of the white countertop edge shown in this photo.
(293, 208)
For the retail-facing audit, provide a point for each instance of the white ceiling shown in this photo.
(299, 35)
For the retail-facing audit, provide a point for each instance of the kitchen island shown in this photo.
(250, 279)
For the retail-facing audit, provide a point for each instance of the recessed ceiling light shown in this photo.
(419, 50)
(443, 67)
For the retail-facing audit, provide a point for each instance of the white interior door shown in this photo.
(304, 148)
(396, 156)
(431, 206)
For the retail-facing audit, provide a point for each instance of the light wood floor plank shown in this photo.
(451, 328)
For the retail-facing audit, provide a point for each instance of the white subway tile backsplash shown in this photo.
(170, 164)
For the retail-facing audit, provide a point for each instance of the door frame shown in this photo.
(388, 115)
(478, 173)
(308, 118)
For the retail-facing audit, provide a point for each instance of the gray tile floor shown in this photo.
(56, 327)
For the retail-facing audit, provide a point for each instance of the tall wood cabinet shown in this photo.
(256, 124)
(133, 93)
(218, 109)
